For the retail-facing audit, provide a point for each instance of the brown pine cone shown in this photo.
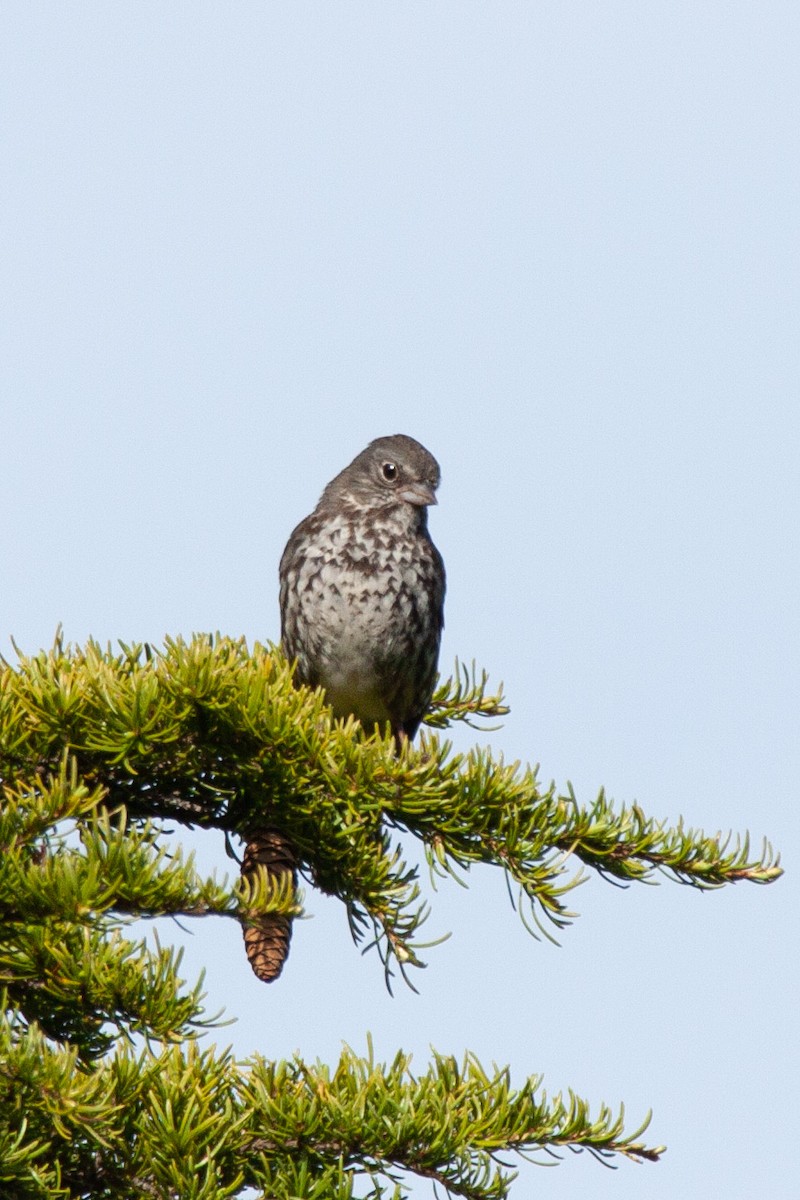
(267, 936)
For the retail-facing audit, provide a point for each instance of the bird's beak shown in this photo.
(420, 494)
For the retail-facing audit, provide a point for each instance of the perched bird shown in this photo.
(362, 598)
(362, 588)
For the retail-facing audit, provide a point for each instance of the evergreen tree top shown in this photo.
(97, 749)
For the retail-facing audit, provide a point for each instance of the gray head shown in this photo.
(392, 470)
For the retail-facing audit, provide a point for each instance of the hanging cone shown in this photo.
(267, 935)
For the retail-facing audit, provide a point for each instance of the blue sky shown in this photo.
(559, 245)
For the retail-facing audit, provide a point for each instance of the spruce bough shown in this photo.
(97, 749)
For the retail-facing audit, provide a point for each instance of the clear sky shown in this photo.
(558, 244)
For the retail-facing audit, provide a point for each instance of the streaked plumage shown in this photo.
(362, 588)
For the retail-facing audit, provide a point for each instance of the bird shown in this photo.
(362, 590)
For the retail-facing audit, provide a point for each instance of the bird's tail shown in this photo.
(267, 935)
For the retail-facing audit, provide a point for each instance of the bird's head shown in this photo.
(392, 470)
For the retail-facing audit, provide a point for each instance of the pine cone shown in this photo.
(267, 936)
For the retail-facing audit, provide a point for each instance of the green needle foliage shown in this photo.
(103, 1092)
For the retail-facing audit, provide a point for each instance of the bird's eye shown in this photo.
(389, 470)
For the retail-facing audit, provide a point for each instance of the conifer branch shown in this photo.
(185, 1122)
(209, 732)
(463, 697)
